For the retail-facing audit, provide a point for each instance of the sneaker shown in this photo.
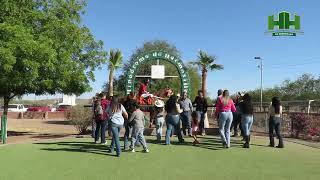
(146, 151)
(105, 143)
(96, 142)
(224, 145)
(132, 150)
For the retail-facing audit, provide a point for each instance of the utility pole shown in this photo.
(261, 78)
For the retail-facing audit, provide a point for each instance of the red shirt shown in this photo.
(104, 104)
(142, 89)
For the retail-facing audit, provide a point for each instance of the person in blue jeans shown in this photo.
(201, 107)
(137, 118)
(159, 118)
(275, 113)
(173, 119)
(128, 105)
(224, 109)
(246, 110)
(117, 114)
(100, 123)
(186, 106)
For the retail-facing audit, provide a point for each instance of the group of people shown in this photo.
(241, 112)
(111, 115)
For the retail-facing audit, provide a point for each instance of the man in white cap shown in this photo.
(186, 106)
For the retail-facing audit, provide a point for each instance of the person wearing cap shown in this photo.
(186, 106)
(219, 94)
(159, 118)
(143, 89)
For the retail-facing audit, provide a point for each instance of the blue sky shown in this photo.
(232, 30)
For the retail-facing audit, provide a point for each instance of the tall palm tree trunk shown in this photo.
(110, 88)
(204, 82)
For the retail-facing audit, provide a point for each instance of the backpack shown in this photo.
(98, 112)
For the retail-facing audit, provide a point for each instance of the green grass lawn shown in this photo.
(81, 159)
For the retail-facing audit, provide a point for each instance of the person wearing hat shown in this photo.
(159, 118)
(186, 106)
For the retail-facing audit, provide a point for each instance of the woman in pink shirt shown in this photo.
(224, 109)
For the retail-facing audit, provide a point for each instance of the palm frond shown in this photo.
(115, 58)
(216, 67)
(206, 61)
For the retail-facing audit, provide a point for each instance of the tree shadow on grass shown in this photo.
(83, 147)
(58, 122)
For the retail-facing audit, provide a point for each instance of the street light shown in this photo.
(261, 69)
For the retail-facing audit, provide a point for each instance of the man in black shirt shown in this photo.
(201, 108)
(129, 106)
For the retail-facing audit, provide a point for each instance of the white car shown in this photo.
(17, 108)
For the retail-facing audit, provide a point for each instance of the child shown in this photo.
(159, 118)
(195, 127)
(137, 121)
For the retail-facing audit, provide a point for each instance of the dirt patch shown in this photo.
(26, 130)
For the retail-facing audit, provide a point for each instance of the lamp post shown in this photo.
(261, 75)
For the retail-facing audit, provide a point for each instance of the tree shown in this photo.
(305, 87)
(115, 61)
(206, 62)
(144, 69)
(45, 49)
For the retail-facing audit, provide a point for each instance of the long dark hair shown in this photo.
(247, 106)
(171, 103)
(276, 104)
(115, 105)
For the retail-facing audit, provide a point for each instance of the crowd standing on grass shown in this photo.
(110, 116)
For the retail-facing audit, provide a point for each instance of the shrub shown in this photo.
(314, 131)
(300, 123)
(81, 118)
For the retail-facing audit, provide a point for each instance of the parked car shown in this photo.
(16, 108)
(40, 108)
(63, 107)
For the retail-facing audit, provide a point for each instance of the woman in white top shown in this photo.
(275, 112)
(117, 114)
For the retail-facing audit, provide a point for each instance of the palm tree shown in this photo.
(115, 61)
(206, 62)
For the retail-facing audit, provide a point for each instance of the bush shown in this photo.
(314, 131)
(81, 118)
(300, 123)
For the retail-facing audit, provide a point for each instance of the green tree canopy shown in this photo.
(145, 69)
(305, 87)
(44, 48)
